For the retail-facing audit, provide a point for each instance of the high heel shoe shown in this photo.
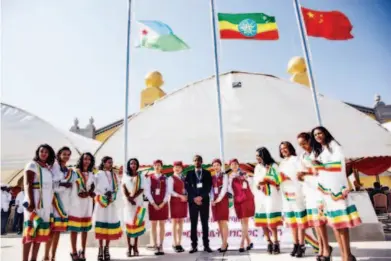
(100, 254)
(300, 251)
(107, 254)
(352, 258)
(270, 248)
(294, 250)
(249, 247)
(223, 250)
(129, 253)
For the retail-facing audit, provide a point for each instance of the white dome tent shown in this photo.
(258, 110)
(22, 133)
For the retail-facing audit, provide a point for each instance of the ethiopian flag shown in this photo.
(250, 26)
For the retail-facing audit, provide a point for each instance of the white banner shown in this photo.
(234, 236)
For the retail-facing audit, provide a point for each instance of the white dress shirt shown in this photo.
(19, 202)
(147, 189)
(5, 200)
(224, 188)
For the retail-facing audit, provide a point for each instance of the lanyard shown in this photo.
(199, 175)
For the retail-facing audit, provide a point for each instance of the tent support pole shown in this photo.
(217, 78)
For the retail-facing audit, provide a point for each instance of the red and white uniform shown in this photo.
(243, 197)
(178, 208)
(158, 189)
(219, 191)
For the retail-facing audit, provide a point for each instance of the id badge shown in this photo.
(244, 186)
(157, 192)
(216, 190)
(199, 185)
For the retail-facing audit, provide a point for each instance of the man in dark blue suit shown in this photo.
(198, 186)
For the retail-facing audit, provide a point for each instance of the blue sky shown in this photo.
(62, 59)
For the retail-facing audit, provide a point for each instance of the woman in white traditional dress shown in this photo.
(268, 205)
(80, 214)
(38, 185)
(158, 189)
(332, 182)
(107, 222)
(133, 188)
(293, 204)
(64, 177)
(313, 198)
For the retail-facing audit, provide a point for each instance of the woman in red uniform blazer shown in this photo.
(178, 205)
(158, 189)
(243, 201)
(220, 204)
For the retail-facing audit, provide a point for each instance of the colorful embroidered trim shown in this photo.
(309, 240)
(58, 206)
(81, 182)
(334, 196)
(139, 216)
(102, 201)
(290, 196)
(40, 178)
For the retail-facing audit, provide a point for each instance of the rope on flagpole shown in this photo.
(307, 56)
(127, 87)
(217, 78)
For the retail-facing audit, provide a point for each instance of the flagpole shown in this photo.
(127, 88)
(307, 56)
(217, 78)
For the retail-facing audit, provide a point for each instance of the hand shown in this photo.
(83, 194)
(184, 198)
(31, 207)
(213, 203)
(156, 207)
(108, 195)
(91, 194)
(66, 184)
(162, 205)
(198, 200)
(261, 183)
(316, 162)
(300, 176)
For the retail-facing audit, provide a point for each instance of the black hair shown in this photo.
(305, 135)
(128, 169)
(376, 185)
(58, 155)
(316, 146)
(197, 157)
(51, 157)
(266, 156)
(291, 149)
(80, 162)
(103, 161)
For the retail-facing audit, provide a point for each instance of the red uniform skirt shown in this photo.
(220, 211)
(178, 208)
(245, 209)
(155, 215)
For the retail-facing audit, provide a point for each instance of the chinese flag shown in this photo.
(332, 25)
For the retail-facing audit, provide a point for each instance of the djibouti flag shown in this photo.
(159, 36)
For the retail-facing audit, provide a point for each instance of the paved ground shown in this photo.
(377, 251)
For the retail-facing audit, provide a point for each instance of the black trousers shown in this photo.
(203, 212)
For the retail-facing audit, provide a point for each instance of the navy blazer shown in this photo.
(191, 185)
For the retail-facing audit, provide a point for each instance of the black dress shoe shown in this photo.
(193, 250)
(207, 249)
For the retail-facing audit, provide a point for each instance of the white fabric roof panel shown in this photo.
(263, 112)
(22, 133)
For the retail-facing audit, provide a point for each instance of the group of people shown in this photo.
(7, 202)
(305, 191)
